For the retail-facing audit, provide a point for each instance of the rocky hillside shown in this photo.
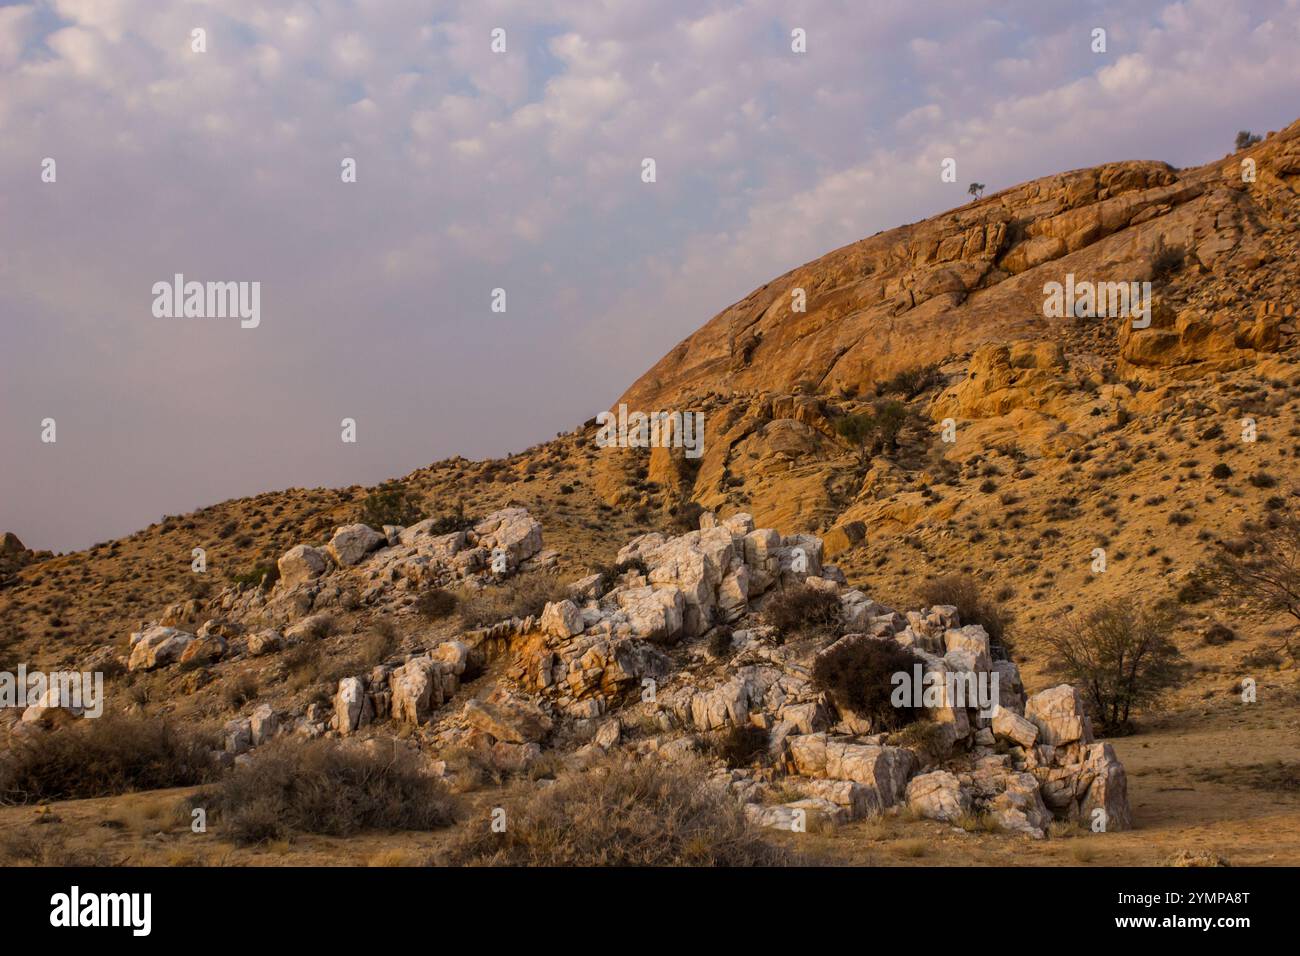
(1057, 463)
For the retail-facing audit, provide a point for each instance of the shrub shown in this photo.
(1246, 139)
(858, 675)
(686, 517)
(1167, 261)
(911, 382)
(436, 603)
(391, 503)
(1263, 569)
(1219, 634)
(720, 642)
(520, 596)
(239, 690)
(803, 611)
(1220, 471)
(322, 786)
(257, 575)
(741, 746)
(1120, 656)
(621, 812)
(104, 756)
(965, 594)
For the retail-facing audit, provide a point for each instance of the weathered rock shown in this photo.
(156, 647)
(937, 796)
(262, 725)
(509, 718)
(1059, 716)
(351, 708)
(1108, 791)
(416, 690)
(1010, 726)
(301, 564)
(561, 619)
(266, 641)
(351, 543)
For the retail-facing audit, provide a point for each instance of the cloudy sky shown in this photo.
(479, 170)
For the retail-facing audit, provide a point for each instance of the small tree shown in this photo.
(858, 430)
(1246, 139)
(1120, 655)
(976, 190)
(1263, 568)
(390, 503)
(890, 417)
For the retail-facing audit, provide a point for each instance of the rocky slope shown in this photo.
(1070, 435)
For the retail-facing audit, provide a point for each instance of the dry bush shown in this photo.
(104, 756)
(1262, 569)
(965, 594)
(436, 604)
(322, 786)
(858, 676)
(803, 612)
(1120, 657)
(742, 746)
(620, 812)
(520, 596)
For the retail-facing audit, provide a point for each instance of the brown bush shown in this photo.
(520, 596)
(620, 812)
(104, 756)
(965, 594)
(858, 676)
(804, 612)
(435, 604)
(322, 786)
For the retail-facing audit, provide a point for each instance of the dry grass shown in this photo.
(619, 813)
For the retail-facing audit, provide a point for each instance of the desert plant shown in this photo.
(621, 812)
(1246, 139)
(104, 756)
(520, 596)
(323, 786)
(390, 503)
(911, 382)
(1167, 261)
(975, 189)
(858, 675)
(436, 603)
(966, 594)
(858, 430)
(741, 745)
(257, 576)
(1119, 655)
(890, 417)
(1262, 568)
(804, 612)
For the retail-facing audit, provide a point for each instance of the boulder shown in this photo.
(1059, 716)
(351, 543)
(561, 619)
(156, 647)
(1011, 727)
(351, 707)
(937, 796)
(266, 641)
(262, 725)
(301, 564)
(1108, 791)
(507, 717)
(416, 690)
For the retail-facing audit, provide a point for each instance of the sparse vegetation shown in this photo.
(1120, 656)
(520, 596)
(323, 786)
(858, 676)
(803, 612)
(620, 812)
(390, 503)
(109, 755)
(965, 593)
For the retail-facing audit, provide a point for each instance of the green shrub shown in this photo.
(391, 503)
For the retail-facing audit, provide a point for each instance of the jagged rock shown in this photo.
(1059, 716)
(266, 641)
(238, 735)
(262, 725)
(309, 628)
(1019, 807)
(351, 707)
(514, 531)
(561, 619)
(937, 795)
(797, 816)
(508, 718)
(654, 615)
(351, 543)
(1010, 726)
(883, 770)
(416, 689)
(156, 647)
(1108, 791)
(300, 564)
(204, 649)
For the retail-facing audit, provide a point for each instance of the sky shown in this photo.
(478, 170)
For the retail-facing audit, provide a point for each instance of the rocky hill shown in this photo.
(1058, 463)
